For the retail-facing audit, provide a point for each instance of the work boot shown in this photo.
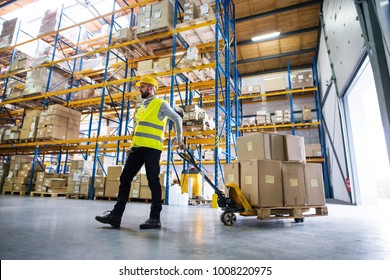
(150, 223)
(109, 218)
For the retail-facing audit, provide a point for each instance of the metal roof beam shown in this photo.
(309, 66)
(281, 10)
(261, 58)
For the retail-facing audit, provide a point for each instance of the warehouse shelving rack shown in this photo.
(90, 145)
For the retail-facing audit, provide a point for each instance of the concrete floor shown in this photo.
(34, 228)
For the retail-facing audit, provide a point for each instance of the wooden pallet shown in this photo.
(143, 200)
(21, 193)
(76, 196)
(153, 32)
(46, 194)
(101, 197)
(291, 212)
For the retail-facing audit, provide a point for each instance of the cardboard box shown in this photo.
(317, 151)
(232, 173)
(275, 83)
(114, 173)
(306, 113)
(162, 14)
(251, 147)
(163, 64)
(144, 180)
(146, 65)
(56, 190)
(145, 192)
(58, 110)
(274, 146)
(99, 191)
(112, 188)
(261, 182)
(314, 184)
(294, 188)
(54, 183)
(135, 190)
(294, 148)
(309, 150)
(7, 186)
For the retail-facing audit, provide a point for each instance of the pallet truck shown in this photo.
(235, 203)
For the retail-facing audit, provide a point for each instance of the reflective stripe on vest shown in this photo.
(149, 131)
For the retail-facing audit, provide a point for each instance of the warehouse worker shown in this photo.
(145, 148)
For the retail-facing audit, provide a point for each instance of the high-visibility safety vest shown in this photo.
(149, 131)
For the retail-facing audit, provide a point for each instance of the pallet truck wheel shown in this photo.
(228, 218)
(299, 220)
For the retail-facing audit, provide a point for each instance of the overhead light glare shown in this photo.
(265, 36)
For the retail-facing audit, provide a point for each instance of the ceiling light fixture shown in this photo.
(265, 36)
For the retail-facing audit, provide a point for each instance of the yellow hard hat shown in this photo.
(148, 80)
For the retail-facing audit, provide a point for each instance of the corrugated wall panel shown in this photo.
(345, 37)
(332, 118)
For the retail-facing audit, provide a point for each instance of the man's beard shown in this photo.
(144, 94)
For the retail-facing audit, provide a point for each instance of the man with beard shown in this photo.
(145, 148)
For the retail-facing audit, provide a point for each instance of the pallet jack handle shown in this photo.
(186, 155)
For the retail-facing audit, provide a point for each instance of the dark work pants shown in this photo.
(137, 157)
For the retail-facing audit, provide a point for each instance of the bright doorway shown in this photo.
(369, 160)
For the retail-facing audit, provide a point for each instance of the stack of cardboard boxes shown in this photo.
(20, 63)
(36, 81)
(190, 11)
(99, 185)
(19, 173)
(79, 179)
(7, 36)
(50, 23)
(306, 113)
(271, 172)
(144, 19)
(55, 185)
(302, 79)
(275, 83)
(11, 133)
(113, 180)
(262, 118)
(42, 181)
(59, 122)
(4, 169)
(195, 117)
(30, 125)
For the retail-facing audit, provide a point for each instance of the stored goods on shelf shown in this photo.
(263, 118)
(36, 81)
(306, 113)
(275, 83)
(302, 79)
(11, 134)
(190, 11)
(254, 89)
(8, 33)
(4, 169)
(30, 125)
(51, 20)
(59, 122)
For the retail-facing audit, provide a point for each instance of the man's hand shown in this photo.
(181, 145)
(128, 152)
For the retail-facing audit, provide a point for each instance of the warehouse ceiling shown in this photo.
(297, 21)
